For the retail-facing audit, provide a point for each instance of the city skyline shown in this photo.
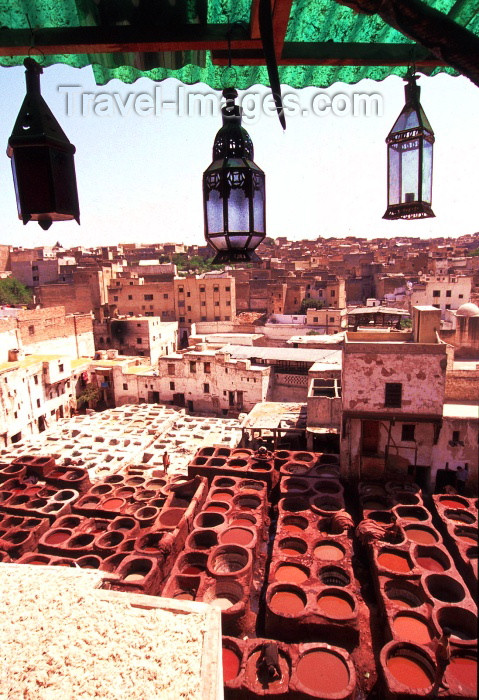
(326, 175)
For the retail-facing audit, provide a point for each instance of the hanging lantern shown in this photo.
(42, 160)
(233, 191)
(410, 144)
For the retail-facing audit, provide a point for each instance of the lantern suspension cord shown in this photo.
(32, 42)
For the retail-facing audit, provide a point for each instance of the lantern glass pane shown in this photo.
(410, 171)
(238, 211)
(427, 172)
(214, 212)
(408, 119)
(394, 193)
(255, 241)
(238, 242)
(258, 210)
(219, 242)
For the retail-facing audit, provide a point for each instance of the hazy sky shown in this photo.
(139, 177)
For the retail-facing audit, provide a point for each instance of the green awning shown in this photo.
(319, 42)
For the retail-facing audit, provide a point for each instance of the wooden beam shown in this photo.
(91, 40)
(434, 30)
(335, 54)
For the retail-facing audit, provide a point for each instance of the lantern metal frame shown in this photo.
(234, 225)
(42, 159)
(411, 132)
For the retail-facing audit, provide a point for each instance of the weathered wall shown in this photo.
(419, 368)
(462, 385)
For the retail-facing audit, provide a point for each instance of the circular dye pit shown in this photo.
(411, 629)
(328, 551)
(444, 588)
(231, 664)
(291, 573)
(244, 521)
(412, 513)
(451, 502)
(464, 671)
(466, 534)
(257, 677)
(224, 595)
(237, 535)
(461, 517)
(394, 561)
(406, 596)
(228, 559)
(57, 537)
(334, 576)
(322, 672)
(461, 622)
(221, 508)
(430, 563)
(293, 546)
(420, 535)
(113, 503)
(295, 468)
(223, 495)
(184, 595)
(335, 604)
(292, 529)
(410, 670)
(287, 602)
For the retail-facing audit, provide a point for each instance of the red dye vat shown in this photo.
(184, 595)
(409, 672)
(112, 503)
(411, 629)
(192, 570)
(420, 536)
(290, 574)
(216, 509)
(467, 538)
(430, 563)
(290, 552)
(231, 664)
(223, 495)
(452, 503)
(237, 535)
(464, 670)
(293, 529)
(334, 606)
(394, 562)
(323, 672)
(328, 552)
(286, 602)
(57, 537)
(242, 521)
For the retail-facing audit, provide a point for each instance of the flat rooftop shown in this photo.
(461, 410)
(273, 415)
(309, 355)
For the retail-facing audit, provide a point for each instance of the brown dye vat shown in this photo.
(224, 482)
(101, 489)
(410, 671)
(452, 502)
(294, 504)
(237, 535)
(81, 541)
(304, 456)
(466, 534)
(202, 539)
(461, 622)
(293, 547)
(171, 516)
(293, 485)
(89, 562)
(328, 551)
(412, 513)
(247, 502)
(58, 537)
(295, 468)
(291, 573)
(459, 516)
(335, 604)
(420, 535)
(287, 602)
(394, 562)
(322, 672)
(210, 520)
(231, 664)
(444, 588)
(404, 596)
(411, 629)
(464, 670)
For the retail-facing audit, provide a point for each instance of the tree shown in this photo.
(90, 394)
(14, 292)
(311, 304)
